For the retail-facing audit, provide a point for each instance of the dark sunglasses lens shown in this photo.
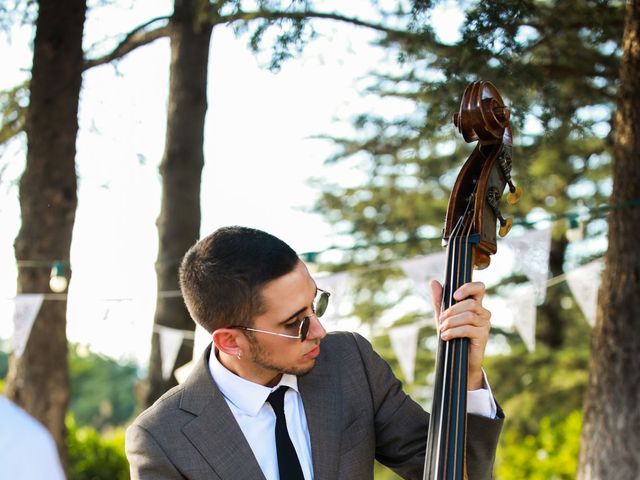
(304, 328)
(321, 305)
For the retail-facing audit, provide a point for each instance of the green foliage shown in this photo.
(556, 63)
(281, 27)
(541, 393)
(13, 111)
(545, 383)
(101, 389)
(13, 12)
(380, 472)
(551, 454)
(95, 457)
(4, 363)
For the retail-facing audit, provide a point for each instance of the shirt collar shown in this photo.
(247, 396)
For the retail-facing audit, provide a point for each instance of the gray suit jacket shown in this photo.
(356, 411)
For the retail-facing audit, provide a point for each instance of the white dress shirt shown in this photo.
(27, 450)
(257, 420)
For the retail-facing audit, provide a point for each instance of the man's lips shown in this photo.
(313, 353)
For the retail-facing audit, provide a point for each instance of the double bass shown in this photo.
(469, 235)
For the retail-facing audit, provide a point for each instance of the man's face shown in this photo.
(286, 300)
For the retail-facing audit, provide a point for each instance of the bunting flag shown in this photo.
(532, 253)
(404, 341)
(522, 304)
(26, 309)
(584, 283)
(421, 270)
(181, 373)
(170, 342)
(202, 339)
(336, 285)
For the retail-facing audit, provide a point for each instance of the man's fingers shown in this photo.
(469, 330)
(465, 331)
(465, 318)
(470, 290)
(436, 297)
(468, 305)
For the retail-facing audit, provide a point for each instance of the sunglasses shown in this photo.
(320, 304)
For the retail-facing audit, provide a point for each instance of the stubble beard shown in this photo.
(264, 360)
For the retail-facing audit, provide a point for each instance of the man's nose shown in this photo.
(316, 330)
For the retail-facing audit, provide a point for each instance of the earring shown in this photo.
(239, 354)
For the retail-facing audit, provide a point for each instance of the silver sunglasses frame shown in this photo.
(304, 323)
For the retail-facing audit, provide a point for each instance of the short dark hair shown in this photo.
(222, 274)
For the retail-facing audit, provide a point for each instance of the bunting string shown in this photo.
(532, 255)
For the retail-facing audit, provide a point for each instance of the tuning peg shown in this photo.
(505, 226)
(515, 193)
(492, 200)
(504, 160)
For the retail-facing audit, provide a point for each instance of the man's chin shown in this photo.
(304, 372)
(300, 372)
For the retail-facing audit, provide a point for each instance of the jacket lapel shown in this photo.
(322, 409)
(222, 450)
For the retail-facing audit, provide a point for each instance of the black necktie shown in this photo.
(288, 463)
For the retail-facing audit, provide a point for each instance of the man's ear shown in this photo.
(226, 340)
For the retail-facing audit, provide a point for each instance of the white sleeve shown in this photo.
(27, 449)
(481, 402)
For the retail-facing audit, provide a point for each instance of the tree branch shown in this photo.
(136, 38)
(393, 34)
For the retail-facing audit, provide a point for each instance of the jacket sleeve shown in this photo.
(482, 441)
(146, 458)
(401, 425)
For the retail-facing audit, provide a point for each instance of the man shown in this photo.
(343, 407)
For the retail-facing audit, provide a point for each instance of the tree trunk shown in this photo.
(39, 379)
(181, 168)
(550, 326)
(611, 437)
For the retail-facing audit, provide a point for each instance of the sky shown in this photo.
(259, 151)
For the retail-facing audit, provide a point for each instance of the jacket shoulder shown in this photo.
(346, 341)
(162, 409)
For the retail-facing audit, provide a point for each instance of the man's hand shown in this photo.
(467, 318)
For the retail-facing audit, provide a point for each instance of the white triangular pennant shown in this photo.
(584, 283)
(522, 303)
(404, 341)
(202, 339)
(27, 307)
(532, 253)
(421, 270)
(184, 371)
(170, 342)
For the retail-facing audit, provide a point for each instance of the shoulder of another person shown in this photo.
(21, 425)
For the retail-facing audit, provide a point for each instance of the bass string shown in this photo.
(452, 362)
(456, 358)
(443, 429)
(462, 367)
